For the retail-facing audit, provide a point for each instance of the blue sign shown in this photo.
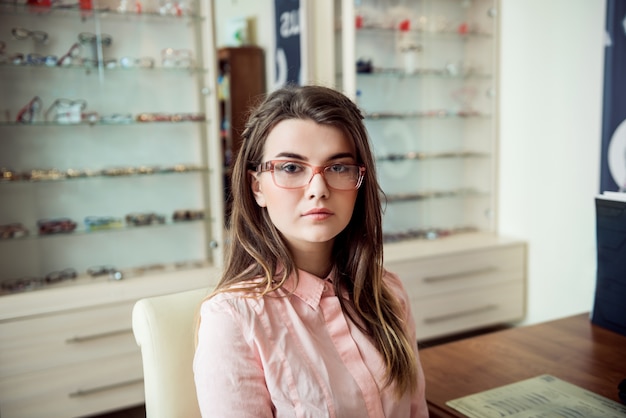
(288, 54)
(613, 156)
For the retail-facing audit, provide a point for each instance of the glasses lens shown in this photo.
(146, 62)
(39, 36)
(54, 277)
(106, 40)
(86, 37)
(293, 175)
(20, 33)
(342, 176)
(34, 105)
(74, 51)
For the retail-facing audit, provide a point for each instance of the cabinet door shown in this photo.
(109, 150)
(424, 74)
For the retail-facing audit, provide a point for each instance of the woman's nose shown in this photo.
(317, 186)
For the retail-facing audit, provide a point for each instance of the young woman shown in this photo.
(305, 321)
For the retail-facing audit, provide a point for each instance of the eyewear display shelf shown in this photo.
(111, 188)
(425, 74)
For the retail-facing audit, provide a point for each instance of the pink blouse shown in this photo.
(295, 356)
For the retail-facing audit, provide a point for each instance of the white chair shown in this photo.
(164, 327)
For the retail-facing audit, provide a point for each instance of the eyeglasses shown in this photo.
(95, 63)
(31, 283)
(111, 271)
(92, 38)
(71, 57)
(176, 58)
(293, 174)
(55, 226)
(129, 62)
(65, 111)
(27, 113)
(23, 34)
(38, 59)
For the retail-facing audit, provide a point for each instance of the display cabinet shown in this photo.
(425, 74)
(111, 184)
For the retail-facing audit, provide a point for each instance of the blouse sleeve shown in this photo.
(228, 374)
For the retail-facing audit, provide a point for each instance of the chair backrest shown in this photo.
(164, 328)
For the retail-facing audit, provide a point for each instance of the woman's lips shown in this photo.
(318, 214)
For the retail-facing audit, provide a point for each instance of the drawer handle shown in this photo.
(84, 338)
(86, 392)
(454, 276)
(454, 315)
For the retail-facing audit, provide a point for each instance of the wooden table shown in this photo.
(571, 349)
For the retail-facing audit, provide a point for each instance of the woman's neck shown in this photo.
(316, 260)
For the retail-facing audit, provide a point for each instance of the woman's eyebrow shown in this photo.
(291, 155)
(342, 155)
(296, 156)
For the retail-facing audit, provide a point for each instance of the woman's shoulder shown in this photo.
(241, 293)
(244, 298)
(395, 284)
(393, 280)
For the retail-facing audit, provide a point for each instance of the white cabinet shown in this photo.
(70, 351)
(110, 159)
(462, 283)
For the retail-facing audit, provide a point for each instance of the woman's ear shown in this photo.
(255, 185)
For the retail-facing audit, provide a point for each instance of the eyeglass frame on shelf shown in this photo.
(71, 57)
(92, 38)
(33, 106)
(22, 34)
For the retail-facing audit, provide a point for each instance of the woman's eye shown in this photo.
(290, 167)
(338, 168)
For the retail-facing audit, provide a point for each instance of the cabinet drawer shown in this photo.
(442, 274)
(467, 310)
(70, 337)
(76, 390)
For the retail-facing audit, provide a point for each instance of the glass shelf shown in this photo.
(427, 233)
(440, 34)
(31, 284)
(413, 155)
(84, 231)
(73, 10)
(435, 194)
(98, 123)
(88, 69)
(430, 114)
(9, 177)
(421, 73)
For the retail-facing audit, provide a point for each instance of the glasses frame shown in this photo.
(63, 104)
(269, 166)
(22, 34)
(71, 57)
(27, 113)
(93, 38)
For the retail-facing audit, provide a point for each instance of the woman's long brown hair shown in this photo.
(257, 248)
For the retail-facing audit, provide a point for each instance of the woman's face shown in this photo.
(314, 214)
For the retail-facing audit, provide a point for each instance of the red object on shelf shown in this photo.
(359, 21)
(39, 3)
(86, 4)
(405, 25)
(463, 28)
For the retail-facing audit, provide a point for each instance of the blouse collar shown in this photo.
(310, 288)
